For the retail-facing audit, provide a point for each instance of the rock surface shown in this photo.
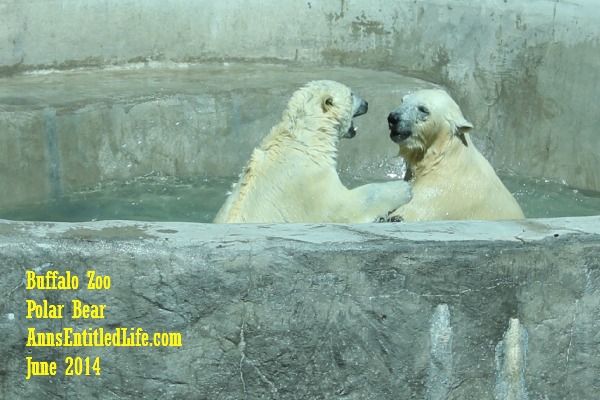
(390, 311)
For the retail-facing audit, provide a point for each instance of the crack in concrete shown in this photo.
(570, 343)
(11, 292)
(242, 348)
(244, 359)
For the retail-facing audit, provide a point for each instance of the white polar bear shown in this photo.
(292, 177)
(451, 178)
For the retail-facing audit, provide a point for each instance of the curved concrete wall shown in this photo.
(65, 132)
(473, 310)
(525, 73)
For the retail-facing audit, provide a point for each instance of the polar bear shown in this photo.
(292, 177)
(451, 179)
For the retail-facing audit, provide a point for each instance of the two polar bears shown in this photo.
(292, 177)
(451, 179)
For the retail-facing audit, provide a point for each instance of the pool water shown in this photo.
(143, 199)
(198, 200)
(543, 198)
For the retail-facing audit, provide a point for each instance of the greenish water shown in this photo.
(542, 198)
(144, 199)
(168, 199)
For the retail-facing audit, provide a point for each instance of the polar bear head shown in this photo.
(426, 119)
(325, 106)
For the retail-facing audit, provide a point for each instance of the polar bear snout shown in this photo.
(400, 126)
(359, 106)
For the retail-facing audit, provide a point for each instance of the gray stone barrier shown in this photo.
(462, 310)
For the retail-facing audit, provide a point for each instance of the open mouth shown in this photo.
(360, 107)
(399, 135)
(351, 131)
(400, 128)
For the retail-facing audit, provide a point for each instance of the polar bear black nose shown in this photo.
(393, 119)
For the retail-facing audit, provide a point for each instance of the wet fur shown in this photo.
(292, 177)
(451, 178)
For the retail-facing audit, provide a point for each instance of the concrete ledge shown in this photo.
(432, 310)
(177, 234)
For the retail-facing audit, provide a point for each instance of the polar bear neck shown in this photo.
(438, 155)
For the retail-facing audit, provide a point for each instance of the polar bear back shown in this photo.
(272, 192)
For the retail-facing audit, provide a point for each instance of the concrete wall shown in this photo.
(67, 132)
(525, 73)
(471, 310)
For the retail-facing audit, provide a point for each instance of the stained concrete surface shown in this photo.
(525, 73)
(66, 132)
(501, 310)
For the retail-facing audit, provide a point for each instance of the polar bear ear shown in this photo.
(460, 126)
(327, 103)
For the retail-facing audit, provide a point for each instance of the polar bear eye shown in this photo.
(423, 110)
